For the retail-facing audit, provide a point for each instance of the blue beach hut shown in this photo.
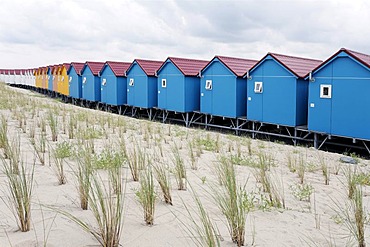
(75, 80)
(223, 89)
(277, 91)
(339, 99)
(114, 83)
(142, 83)
(91, 90)
(179, 84)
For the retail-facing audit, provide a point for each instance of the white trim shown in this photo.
(70, 79)
(164, 83)
(258, 87)
(103, 81)
(209, 85)
(325, 91)
(84, 80)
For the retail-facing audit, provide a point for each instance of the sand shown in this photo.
(300, 223)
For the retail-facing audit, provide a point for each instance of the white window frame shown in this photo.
(164, 83)
(70, 79)
(322, 88)
(131, 82)
(84, 80)
(258, 87)
(209, 85)
(104, 81)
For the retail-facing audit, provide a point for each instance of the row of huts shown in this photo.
(329, 97)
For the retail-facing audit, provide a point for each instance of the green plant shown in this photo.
(147, 196)
(72, 125)
(14, 152)
(179, 169)
(108, 158)
(203, 231)
(137, 161)
(292, 163)
(161, 174)
(83, 174)
(325, 169)
(193, 161)
(353, 216)
(4, 143)
(301, 169)
(230, 200)
(20, 194)
(40, 147)
(59, 166)
(302, 192)
(350, 175)
(53, 123)
(63, 150)
(107, 209)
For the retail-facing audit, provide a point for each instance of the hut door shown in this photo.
(131, 91)
(206, 96)
(162, 94)
(255, 101)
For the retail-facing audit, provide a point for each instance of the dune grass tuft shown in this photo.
(161, 174)
(146, 195)
(20, 193)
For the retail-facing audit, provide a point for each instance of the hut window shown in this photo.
(208, 84)
(104, 81)
(70, 79)
(131, 83)
(325, 91)
(258, 87)
(164, 83)
(84, 80)
(62, 78)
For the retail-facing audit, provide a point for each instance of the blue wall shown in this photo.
(50, 80)
(283, 100)
(144, 92)
(181, 93)
(346, 112)
(114, 91)
(228, 95)
(75, 84)
(91, 88)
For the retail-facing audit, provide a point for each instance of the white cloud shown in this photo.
(39, 32)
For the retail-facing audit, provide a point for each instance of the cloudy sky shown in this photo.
(35, 33)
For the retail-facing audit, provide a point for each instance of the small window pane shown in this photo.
(164, 83)
(258, 87)
(208, 84)
(325, 91)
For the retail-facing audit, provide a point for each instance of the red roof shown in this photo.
(364, 58)
(149, 66)
(299, 66)
(78, 67)
(67, 65)
(95, 67)
(118, 68)
(238, 66)
(189, 67)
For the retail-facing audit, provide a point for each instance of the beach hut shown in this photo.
(277, 90)
(38, 81)
(50, 77)
(223, 89)
(142, 83)
(63, 86)
(114, 83)
(91, 91)
(179, 84)
(339, 99)
(75, 80)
